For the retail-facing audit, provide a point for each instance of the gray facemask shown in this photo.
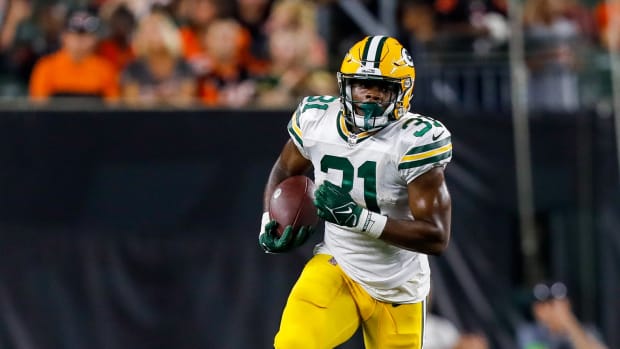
(370, 111)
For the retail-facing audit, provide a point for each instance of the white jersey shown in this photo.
(375, 168)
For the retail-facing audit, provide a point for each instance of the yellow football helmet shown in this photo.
(376, 60)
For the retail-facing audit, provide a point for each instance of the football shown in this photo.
(292, 204)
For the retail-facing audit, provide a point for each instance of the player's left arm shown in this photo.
(427, 149)
(429, 202)
(431, 205)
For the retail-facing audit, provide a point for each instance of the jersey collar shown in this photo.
(350, 137)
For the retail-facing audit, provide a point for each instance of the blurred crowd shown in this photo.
(269, 53)
(209, 52)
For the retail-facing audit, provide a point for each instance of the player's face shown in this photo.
(372, 91)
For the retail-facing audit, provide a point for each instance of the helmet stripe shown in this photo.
(364, 56)
(379, 50)
(372, 51)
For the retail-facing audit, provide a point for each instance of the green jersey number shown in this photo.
(425, 122)
(367, 171)
(323, 101)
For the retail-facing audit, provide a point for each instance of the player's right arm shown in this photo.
(289, 163)
(293, 161)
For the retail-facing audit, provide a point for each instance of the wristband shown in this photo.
(263, 221)
(371, 223)
(265, 218)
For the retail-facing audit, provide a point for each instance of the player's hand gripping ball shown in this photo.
(292, 216)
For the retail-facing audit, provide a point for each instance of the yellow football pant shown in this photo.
(326, 307)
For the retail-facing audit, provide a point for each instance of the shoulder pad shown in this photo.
(310, 110)
(424, 140)
(317, 104)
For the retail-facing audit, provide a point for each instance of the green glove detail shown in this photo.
(336, 206)
(271, 243)
(303, 234)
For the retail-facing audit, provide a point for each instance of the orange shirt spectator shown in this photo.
(252, 15)
(116, 47)
(607, 17)
(198, 14)
(191, 42)
(75, 70)
(116, 54)
(604, 11)
(59, 75)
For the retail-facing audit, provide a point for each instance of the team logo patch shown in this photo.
(406, 57)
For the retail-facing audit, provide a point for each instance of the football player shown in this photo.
(379, 171)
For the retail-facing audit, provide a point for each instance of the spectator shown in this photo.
(159, 75)
(551, 57)
(29, 32)
(116, 48)
(139, 8)
(297, 54)
(582, 15)
(169, 7)
(16, 61)
(555, 326)
(607, 18)
(291, 75)
(454, 24)
(418, 26)
(478, 26)
(252, 15)
(419, 33)
(75, 70)
(491, 21)
(18, 11)
(498, 6)
(228, 83)
(198, 14)
(300, 16)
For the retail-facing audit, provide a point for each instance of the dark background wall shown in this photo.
(137, 229)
